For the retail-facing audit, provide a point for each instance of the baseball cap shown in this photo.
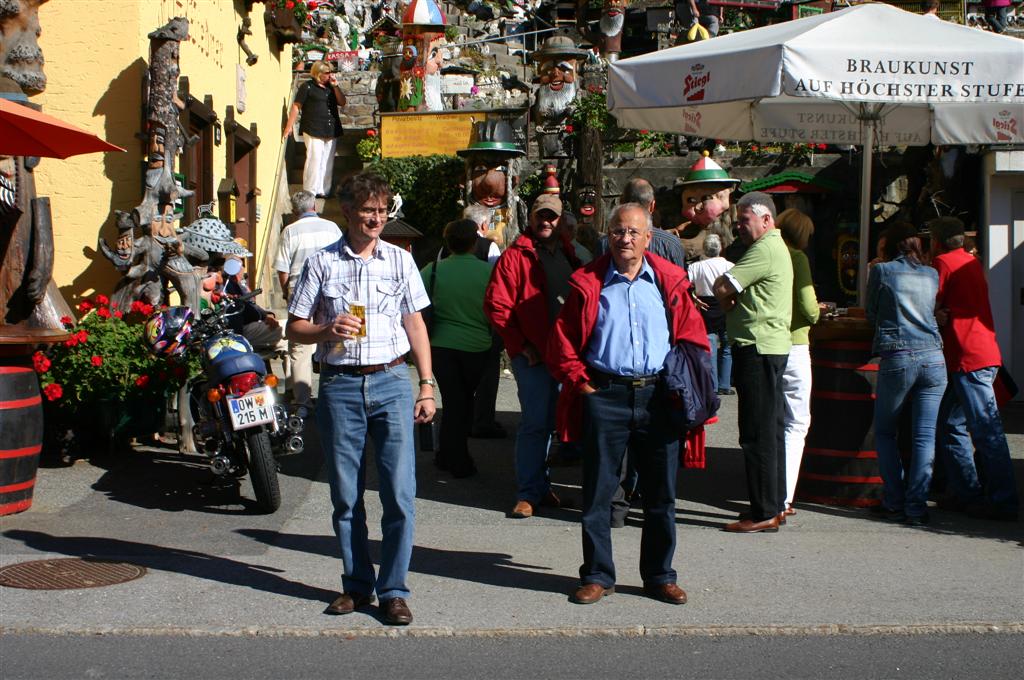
(547, 202)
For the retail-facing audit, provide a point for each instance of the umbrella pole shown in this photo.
(865, 209)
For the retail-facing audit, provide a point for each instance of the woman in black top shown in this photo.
(319, 100)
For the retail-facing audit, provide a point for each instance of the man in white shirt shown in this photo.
(703, 274)
(298, 241)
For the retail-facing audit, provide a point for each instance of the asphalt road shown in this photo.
(929, 657)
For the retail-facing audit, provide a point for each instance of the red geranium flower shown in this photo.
(644, 132)
(40, 362)
(84, 306)
(118, 313)
(53, 391)
(755, 148)
(312, 4)
(72, 341)
(103, 312)
(569, 129)
(66, 321)
(822, 147)
(102, 300)
(81, 336)
(289, 5)
(96, 360)
(142, 381)
(371, 133)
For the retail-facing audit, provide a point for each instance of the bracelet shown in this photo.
(425, 399)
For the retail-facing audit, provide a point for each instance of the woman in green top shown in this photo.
(460, 338)
(796, 228)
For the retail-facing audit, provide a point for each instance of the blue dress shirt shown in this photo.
(631, 335)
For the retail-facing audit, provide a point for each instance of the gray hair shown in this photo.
(303, 201)
(638, 190)
(757, 202)
(480, 214)
(622, 207)
(712, 245)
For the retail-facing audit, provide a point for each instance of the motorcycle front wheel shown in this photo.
(263, 471)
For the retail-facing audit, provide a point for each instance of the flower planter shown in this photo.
(283, 24)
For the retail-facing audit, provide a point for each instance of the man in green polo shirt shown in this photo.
(757, 295)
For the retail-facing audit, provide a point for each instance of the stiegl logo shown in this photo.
(695, 83)
(691, 121)
(1005, 126)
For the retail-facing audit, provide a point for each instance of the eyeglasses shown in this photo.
(621, 234)
(371, 212)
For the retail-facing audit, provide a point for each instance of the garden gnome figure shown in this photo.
(705, 198)
(492, 177)
(410, 80)
(558, 63)
(609, 36)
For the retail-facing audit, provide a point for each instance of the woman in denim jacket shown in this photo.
(901, 303)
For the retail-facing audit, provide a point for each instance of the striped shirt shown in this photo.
(388, 284)
(302, 238)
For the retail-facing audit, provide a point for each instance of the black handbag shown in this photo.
(428, 313)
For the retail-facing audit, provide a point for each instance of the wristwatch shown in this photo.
(428, 381)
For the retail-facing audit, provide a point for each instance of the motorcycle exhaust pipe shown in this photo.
(220, 464)
(295, 444)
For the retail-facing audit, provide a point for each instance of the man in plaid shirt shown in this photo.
(364, 388)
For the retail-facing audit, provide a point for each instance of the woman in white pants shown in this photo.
(796, 228)
(319, 100)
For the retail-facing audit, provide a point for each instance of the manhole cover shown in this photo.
(68, 573)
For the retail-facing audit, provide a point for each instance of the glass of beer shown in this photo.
(358, 309)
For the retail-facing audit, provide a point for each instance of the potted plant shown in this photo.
(102, 384)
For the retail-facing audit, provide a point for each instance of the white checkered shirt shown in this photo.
(388, 284)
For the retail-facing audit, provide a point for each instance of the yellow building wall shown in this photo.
(97, 52)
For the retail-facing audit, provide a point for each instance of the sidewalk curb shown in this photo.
(1014, 628)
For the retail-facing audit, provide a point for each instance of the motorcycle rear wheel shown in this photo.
(263, 471)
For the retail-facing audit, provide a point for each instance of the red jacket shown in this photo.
(568, 342)
(516, 300)
(969, 337)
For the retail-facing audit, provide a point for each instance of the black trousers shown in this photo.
(758, 382)
(458, 374)
(487, 389)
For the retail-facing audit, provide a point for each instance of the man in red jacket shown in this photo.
(528, 287)
(607, 348)
(973, 360)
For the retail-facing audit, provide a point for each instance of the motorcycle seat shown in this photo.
(223, 367)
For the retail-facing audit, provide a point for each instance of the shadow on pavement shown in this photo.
(495, 569)
(185, 562)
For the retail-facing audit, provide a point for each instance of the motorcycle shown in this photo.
(228, 412)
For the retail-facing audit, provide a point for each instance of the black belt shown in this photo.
(363, 370)
(602, 378)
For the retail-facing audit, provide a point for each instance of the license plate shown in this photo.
(256, 407)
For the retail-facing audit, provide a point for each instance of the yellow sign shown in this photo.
(425, 134)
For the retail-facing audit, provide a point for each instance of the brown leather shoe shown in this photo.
(522, 510)
(348, 603)
(396, 611)
(589, 593)
(789, 510)
(666, 592)
(749, 526)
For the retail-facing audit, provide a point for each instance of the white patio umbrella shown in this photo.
(867, 73)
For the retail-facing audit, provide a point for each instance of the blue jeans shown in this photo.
(615, 418)
(918, 377)
(969, 406)
(349, 409)
(721, 360)
(538, 394)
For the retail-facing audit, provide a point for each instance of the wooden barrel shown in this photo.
(21, 437)
(840, 464)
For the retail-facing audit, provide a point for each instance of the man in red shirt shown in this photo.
(529, 284)
(973, 360)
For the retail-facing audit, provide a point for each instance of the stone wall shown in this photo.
(362, 104)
